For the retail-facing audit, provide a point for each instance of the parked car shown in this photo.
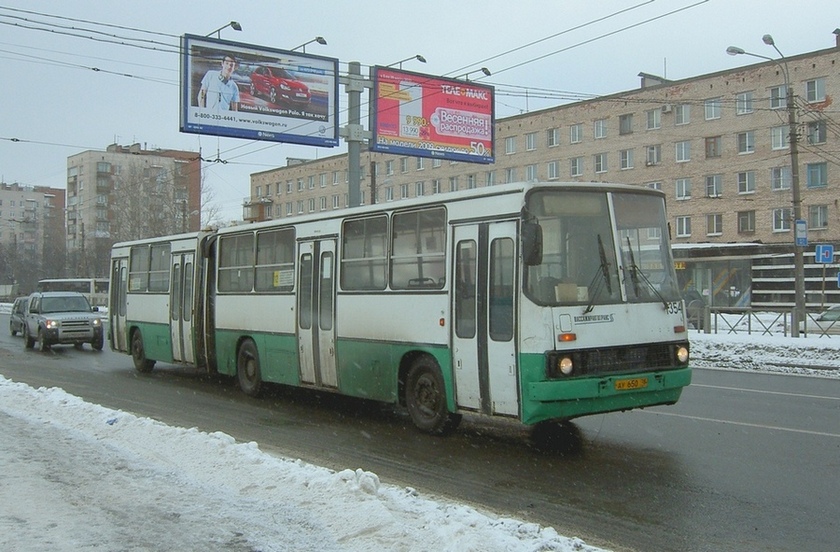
(279, 86)
(61, 317)
(827, 322)
(17, 314)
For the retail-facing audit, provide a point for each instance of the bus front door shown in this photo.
(116, 305)
(316, 313)
(484, 318)
(181, 307)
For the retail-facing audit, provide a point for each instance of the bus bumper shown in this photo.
(572, 398)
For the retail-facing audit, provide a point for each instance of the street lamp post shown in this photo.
(233, 25)
(484, 70)
(798, 314)
(319, 39)
(418, 57)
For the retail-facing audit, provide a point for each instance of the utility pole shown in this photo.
(353, 132)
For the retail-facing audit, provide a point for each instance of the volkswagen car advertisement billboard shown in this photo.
(245, 91)
(426, 116)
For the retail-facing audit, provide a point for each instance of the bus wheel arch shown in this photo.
(248, 367)
(423, 390)
(138, 352)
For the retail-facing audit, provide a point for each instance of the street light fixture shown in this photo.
(319, 39)
(484, 70)
(418, 57)
(798, 257)
(233, 25)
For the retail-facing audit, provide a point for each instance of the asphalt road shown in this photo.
(745, 461)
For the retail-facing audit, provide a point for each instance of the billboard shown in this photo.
(245, 91)
(426, 116)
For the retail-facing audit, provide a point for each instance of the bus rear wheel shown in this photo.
(425, 397)
(248, 369)
(138, 354)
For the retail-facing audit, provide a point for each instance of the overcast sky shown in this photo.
(56, 105)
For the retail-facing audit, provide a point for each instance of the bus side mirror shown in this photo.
(531, 243)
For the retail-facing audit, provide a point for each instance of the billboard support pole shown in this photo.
(353, 133)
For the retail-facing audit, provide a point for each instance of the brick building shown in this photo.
(716, 144)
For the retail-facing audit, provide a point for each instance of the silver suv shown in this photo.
(61, 317)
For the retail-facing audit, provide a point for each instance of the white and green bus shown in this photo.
(531, 301)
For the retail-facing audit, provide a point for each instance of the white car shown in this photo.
(827, 322)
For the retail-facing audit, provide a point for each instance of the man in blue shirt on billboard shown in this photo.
(218, 90)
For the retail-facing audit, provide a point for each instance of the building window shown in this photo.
(322, 180)
(471, 183)
(311, 180)
(816, 132)
(552, 137)
(510, 145)
(683, 151)
(420, 163)
(436, 186)
(576, 133)
(290, 186)
(490, 178)
(779, 137)
(600, 129)
(683, 227)
(403, 164)
(531, 141)
(323, 202)
(714, 225)
(530, 173)
(653, 155)
(746, 182)
(510, 174)
(712, 108)
(577, 166)
(453, 183)
(600, 162)
(744, 103)
(311, 204)
(301, 185)
(626, 159)
(336, 201)
(815, 90)
(625, 124)
(746, 142)
(436, 163)
(714, 185)
(553, 170)
(337, 177)
(682, 114)
(300, 207)
(258, 191)
(683, 188)
(713, 146)
(780, 178)
(419, 189)
(746, 222)
(654, 185)
(290, 208)
(781, 219)
(389, 167)
(404, 191)
(654, 118)
(778, 96)
(817, 175)
(818, 217)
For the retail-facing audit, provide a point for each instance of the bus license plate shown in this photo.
(630, 384)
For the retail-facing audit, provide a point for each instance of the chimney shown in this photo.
(837, 37)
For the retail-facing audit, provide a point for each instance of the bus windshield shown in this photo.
(579, 260)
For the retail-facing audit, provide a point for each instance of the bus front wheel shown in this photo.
(425, 397)
(248, 369)
(138, 354)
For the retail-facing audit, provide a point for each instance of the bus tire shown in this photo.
(425, 397)
(138, 354)
(248, 369)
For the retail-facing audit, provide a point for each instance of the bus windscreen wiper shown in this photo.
(636, 272)
(601, 278)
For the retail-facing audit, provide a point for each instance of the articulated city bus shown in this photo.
(532, 301)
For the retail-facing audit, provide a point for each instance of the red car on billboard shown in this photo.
(278, 85)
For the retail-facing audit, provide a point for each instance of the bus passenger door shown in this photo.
(484, 318)
(181, 307)
(116, 305)
(316, 313)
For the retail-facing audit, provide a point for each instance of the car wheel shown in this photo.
(97, 344)
(28, 340)
(43, 346)
(12, 330)
(253, 90)
(138, 354)
(272, 96)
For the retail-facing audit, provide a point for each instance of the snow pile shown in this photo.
(79, 475)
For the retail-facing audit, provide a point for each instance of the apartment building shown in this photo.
(718, 145)
(127, 192)
(31, 233)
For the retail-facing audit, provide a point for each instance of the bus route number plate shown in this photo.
(631, 384)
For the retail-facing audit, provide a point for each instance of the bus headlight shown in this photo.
(682, 354)
(565, 365)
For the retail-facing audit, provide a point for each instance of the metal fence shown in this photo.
(760, 322)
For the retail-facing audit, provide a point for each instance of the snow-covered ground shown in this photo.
(80, 476)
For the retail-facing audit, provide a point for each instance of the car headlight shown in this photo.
(51, 324)
(97, 322)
